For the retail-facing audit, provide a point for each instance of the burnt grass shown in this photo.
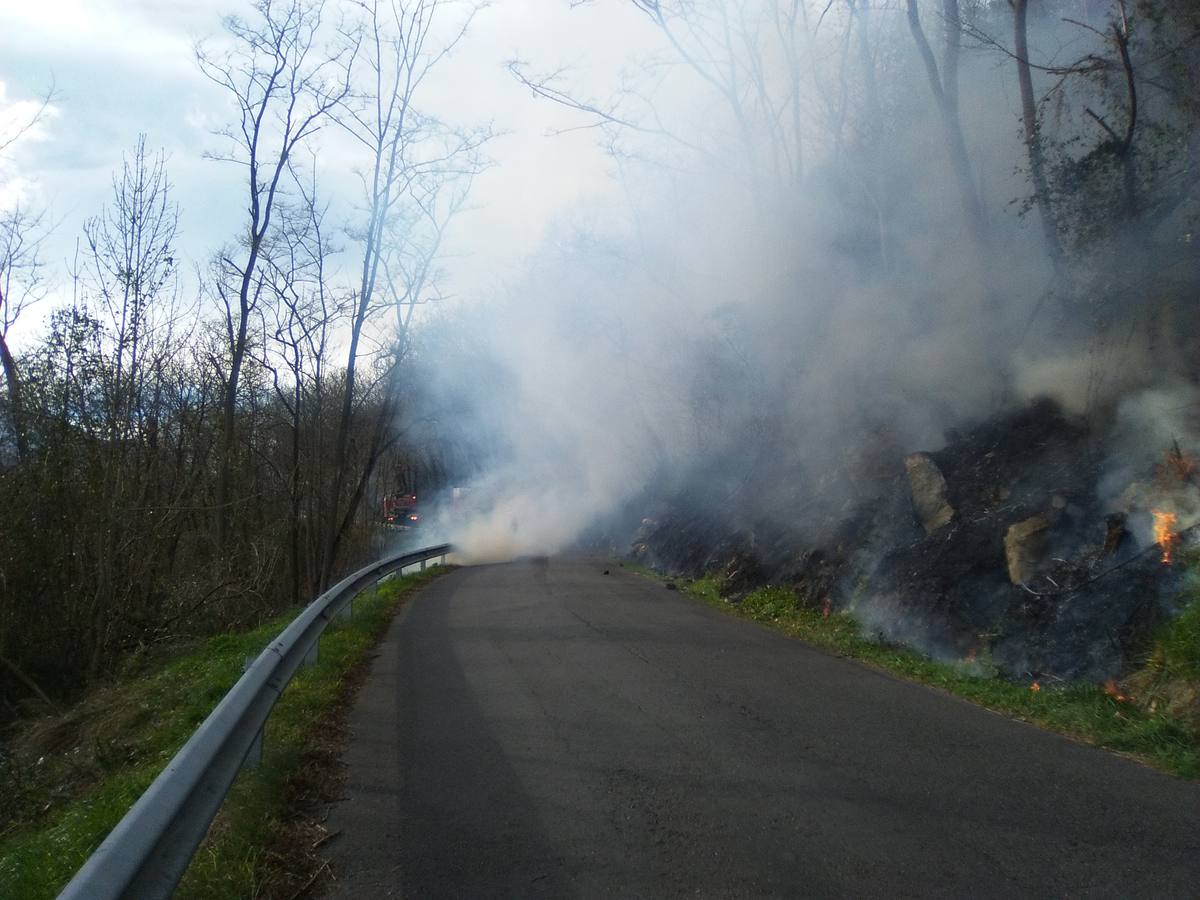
(1088, 614)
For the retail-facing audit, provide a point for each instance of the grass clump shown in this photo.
(1169, 682)
(71, 778)
(1176, 651)
(1158, 732)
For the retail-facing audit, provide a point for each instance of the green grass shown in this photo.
(1145, 729)
(1169, 682)
(115, 744)
(1178, 642)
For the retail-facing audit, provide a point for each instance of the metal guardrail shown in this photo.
(146, 854)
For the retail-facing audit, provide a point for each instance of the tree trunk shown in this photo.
(1033, 137)
(16, 404)
(380, 206)
(294, 489)
(229, 405)
(944, 86)
(877, 184)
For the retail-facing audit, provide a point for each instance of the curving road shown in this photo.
(539, 729)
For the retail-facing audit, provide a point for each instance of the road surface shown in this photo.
(539, 729)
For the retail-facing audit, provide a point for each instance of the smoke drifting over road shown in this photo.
(785, 303)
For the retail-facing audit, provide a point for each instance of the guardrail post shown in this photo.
(346, 612)
(422, 565)
(255, 754)
(314, 653)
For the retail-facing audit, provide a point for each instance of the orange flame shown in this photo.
(1164, 533)
(1035, 687)
(1110, 687)
(826, 607)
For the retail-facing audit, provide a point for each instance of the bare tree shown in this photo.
(411, 157)
(294, 350)
(1033, 134)
(133, 264)
(759, 62)
(129, 293)
(25, 124)
(21, 282)
(21, 235)
(943, 83)
(1102, 88)
(284, 85)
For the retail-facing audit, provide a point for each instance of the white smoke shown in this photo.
(742, 341)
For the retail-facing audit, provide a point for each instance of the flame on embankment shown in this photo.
(1110, 687)
(1175, 478)
(1166, 534)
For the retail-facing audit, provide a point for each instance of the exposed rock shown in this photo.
(928, 492)
(1025, 545)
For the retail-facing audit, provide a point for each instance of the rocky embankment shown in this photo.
(1019, 542)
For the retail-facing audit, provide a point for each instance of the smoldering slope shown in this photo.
(713, 339)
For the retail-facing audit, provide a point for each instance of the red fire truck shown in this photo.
(400, 511)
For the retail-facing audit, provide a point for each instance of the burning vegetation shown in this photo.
(1009, 543)
(1166, 533)
(829, 356)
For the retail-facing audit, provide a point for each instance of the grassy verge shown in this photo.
(69, 779)
(1152, 728)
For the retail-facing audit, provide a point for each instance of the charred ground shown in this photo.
(1001, 545)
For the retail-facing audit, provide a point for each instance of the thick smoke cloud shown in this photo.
(764, 346)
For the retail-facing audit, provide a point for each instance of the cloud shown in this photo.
(23, 123)
(101, 30)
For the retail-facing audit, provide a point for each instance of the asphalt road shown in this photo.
(539, 729)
